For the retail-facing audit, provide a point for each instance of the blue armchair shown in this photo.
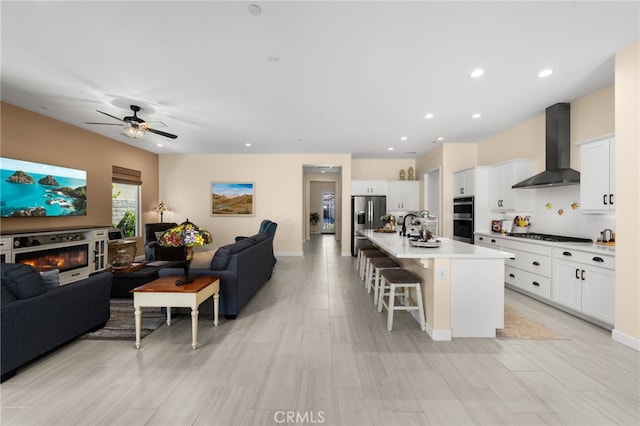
(266, 227)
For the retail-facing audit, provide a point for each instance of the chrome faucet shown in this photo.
(404, 223)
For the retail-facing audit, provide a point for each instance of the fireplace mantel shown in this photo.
(17, 246)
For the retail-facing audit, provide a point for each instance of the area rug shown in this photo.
(121, 324)
(519, 326)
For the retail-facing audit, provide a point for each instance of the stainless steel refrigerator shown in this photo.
(366, 211)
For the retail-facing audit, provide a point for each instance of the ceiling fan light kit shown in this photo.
(134, 126)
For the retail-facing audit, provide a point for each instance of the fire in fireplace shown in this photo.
(62, 258)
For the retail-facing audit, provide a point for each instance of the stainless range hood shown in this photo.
(558, 149)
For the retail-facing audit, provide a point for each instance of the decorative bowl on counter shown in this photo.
(424, 243)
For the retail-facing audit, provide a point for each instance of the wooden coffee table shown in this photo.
(164, 292)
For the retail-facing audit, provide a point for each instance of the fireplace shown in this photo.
(65, 258)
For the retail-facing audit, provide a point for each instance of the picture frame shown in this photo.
(232, 199)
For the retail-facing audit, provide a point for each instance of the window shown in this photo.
(125, 204)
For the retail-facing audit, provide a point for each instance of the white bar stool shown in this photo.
(376, 265)
(392, 280)
(362, 244)
(364, 261)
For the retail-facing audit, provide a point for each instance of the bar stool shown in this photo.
(364, 261)
(376, 265)
(361, 244)
(396, 279)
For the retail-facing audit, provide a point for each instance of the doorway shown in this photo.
(432, 194)
(328, 203)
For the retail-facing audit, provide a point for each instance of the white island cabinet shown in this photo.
(462, 284)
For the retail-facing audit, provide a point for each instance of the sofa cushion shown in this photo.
(221, 258)
(23, 281)
(51, 278)
(202, 259)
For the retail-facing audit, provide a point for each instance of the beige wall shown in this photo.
(282, 194)
(375, 169)
(34, 137)
(627, 124)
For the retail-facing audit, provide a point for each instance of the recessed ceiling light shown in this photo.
(545, 73)
(404, 138)
(160, 145)
(428, 116)
(440, 138)
(478, 72)
(247, 144)
(476, 115)
(390, 148)
(254, 9)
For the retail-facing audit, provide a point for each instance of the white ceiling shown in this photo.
(307, 77)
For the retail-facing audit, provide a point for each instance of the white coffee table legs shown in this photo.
(138, 317)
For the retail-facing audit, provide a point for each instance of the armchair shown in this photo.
(266, 227)
(154, 251)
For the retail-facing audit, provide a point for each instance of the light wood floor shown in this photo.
(311, 349)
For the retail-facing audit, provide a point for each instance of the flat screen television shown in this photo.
(35, 189)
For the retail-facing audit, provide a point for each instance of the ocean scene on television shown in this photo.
(35, 189)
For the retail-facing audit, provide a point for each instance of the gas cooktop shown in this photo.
(551, 238)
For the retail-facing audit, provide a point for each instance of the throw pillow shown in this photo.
(23, 281)
(202, 260)
(51, 278)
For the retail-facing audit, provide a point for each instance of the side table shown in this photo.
(163, 292)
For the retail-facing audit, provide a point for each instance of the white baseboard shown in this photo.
(625, 339)
(439, 335)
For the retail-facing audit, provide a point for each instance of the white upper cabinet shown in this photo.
(597, 176)
(464, 183)
(403, 195)
(502, 197)
(368, 187)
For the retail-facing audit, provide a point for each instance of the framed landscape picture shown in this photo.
(232, 199)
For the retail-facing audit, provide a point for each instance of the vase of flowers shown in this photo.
(389, 220)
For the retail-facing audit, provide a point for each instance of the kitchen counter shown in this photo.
(588, 247)
(462, 284)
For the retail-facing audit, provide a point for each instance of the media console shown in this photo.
(75, 252)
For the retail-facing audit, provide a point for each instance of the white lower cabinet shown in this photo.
(529, 269)
(585, 283)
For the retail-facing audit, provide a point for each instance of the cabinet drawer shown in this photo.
(5, 243)
(533, 283)
(528, 247)
(531, 262)
(488, 241)
(586, 258)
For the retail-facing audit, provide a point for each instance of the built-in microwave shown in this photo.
(463, 219)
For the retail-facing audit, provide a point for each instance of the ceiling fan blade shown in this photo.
(158, 132)
(109, 115)
(106, 124)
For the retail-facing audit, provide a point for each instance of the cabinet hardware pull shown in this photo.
(481, 239)
(598, 259)
(76, 274)
(566, 253)
(536, 264)
(604, 199)
(512, 275)
(611, 199)
(536, 283)
(493, 240)
(577, 272)
(582, 275)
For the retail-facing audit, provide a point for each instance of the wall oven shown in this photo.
(463, 219)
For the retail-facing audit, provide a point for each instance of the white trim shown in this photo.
(438, 335)
(625, 339)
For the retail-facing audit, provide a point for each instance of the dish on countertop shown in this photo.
(423, 243)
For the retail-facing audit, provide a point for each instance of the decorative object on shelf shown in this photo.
(548, 206)
(122, 260)
(575, 205)
(411, 174)
(402, 174)
(185, 235)
(560, 212)
(162, 207)
(232, 199)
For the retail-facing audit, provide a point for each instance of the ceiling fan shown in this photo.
(134, 126)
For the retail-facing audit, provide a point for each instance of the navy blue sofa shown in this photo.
(37, 318)
(244, 267)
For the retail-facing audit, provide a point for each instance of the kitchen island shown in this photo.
(462, 284)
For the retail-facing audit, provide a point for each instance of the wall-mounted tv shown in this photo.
(35, 189)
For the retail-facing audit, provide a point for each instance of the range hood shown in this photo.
(558, 148)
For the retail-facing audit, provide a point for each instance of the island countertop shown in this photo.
(400, 248)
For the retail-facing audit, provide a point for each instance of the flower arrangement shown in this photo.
(185, 235)
(388, 218)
